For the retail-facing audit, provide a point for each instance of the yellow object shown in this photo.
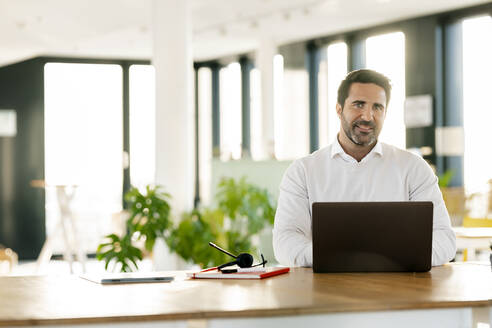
(477, 222)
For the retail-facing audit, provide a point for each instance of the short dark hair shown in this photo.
(363, 76)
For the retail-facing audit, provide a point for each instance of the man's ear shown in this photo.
(339, 110)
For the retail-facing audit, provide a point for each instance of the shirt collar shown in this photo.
(336, 149)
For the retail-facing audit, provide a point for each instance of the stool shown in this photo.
(8, 255)
(66, 225)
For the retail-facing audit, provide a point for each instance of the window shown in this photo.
(477, 114)
(205, 133)
(230, 112)
(8, 123)
(291, 111)
(142, 125)
(84, 146)
(332, 72)
(386, 54)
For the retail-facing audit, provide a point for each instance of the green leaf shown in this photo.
(445, 178)
(119, 251)
(243, 210)
(150, 213)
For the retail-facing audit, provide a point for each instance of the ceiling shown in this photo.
(123, 28)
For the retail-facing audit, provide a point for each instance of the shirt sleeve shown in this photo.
(424, 187)
(292, 227)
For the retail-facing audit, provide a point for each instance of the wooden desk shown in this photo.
(448, 296)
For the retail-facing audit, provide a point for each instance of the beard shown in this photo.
(360, 138)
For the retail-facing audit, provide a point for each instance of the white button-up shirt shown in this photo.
(386, 173)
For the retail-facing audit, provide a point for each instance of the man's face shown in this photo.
(363, 113)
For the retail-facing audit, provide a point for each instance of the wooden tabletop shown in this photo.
(40, 300)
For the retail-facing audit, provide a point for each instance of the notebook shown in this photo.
(127, 277)
(252, 273)
(372, 236)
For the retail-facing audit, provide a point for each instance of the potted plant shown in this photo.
(149, 219)
(242, 211)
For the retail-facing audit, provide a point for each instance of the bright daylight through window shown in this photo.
(142, 125)
(291, 111)
(386, 54)
(333, 70)
(230, 112)
(205, 132)
(477, 112)
(84, 145)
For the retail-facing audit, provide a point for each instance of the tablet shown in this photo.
(127, 277)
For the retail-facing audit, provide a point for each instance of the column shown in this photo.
(172, 59)
(449, 130)
(215, 110)
(357, 54)
(246, 67)
(312, 53)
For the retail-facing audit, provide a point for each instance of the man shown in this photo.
(356, 167)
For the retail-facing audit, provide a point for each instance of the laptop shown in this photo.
(372, 236)
(127, 277)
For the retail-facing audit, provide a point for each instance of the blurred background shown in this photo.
(100, 96)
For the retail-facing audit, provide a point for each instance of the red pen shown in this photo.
(204, 270)
(208, 269)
